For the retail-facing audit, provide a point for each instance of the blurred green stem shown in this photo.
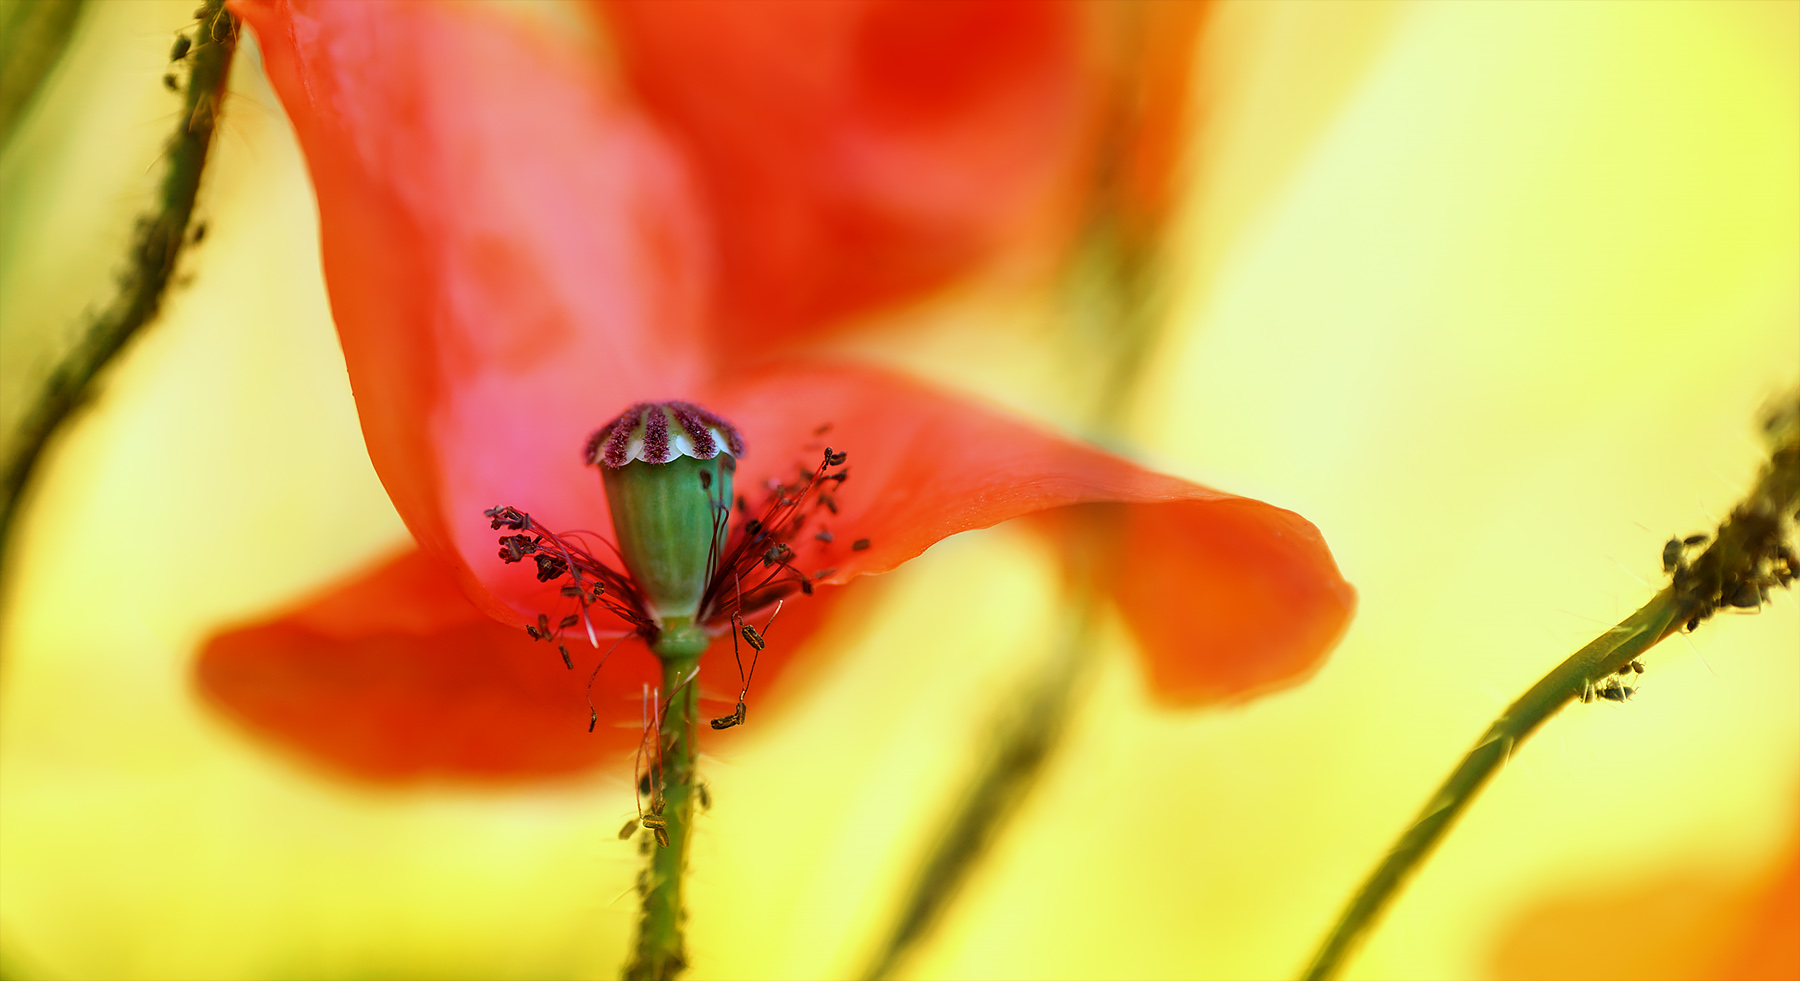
(1114, 301)
(1749, 545)
(155, 250)
(33, 37)
(661, 949)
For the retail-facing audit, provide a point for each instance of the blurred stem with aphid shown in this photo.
(1751, 554)
(155, 250)
(1115, 305)
(661, 949)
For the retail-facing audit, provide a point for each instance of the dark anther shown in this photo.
(550, 566)
(822, 430)
(835, 459)
(573, 591)
(516, 547)
(752, 638)
(840, 476)
(593, 719)
(734, 719)
(829, 502)
(824, 535)
(569, 621)
(822, 573)
(1615, 693)
(180, 50)
(705, 797)
(1693, 540)
(170, 83)
(752, 527)
(533, 631)
(568, 662)
(777, 554)
(706, 480)
(743, 505)
(1692, 623)
(644, 785)
(506, 517)
(199, 233)
(628, 830)
(543, 625)
(859, 545)
(806, 586)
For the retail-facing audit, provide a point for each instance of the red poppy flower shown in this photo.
(517, 247)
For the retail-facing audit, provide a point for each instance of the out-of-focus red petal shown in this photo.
(396, 676)
(1226, 594)
(512, 255)
(1227, 598)
(855, 153)
(1688, 924)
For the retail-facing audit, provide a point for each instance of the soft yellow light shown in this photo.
(1489, 292)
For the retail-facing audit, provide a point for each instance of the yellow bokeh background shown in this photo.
(1491, 293)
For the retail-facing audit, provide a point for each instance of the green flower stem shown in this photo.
(661, 949)
(1741, 553)
(34, 36)
(157, 246)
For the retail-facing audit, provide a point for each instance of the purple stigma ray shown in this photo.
(610, 445)
(656, 436)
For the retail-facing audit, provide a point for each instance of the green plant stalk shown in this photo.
(1739, 554)
(1115, 302)
(33, 37)
(155, 250)
(660, 952)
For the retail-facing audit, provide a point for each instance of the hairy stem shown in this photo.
(1749, 547)
(661, 949)
(156, 247)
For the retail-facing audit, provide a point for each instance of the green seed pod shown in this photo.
(667, 469)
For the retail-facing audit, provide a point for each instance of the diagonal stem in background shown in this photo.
(156, 247)
(1749, 555)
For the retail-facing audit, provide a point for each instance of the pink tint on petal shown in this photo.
(513, 255)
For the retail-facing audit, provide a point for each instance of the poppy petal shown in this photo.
(1226, 595)
(512, 255)
(397, 676)
(854, 154)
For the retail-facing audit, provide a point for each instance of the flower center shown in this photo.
(667, 468)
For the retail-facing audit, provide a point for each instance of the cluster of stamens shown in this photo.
(754, 570)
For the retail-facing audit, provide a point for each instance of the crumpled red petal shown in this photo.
(398, 677)
(856, 153)
(1225, 594)
(512, 255)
